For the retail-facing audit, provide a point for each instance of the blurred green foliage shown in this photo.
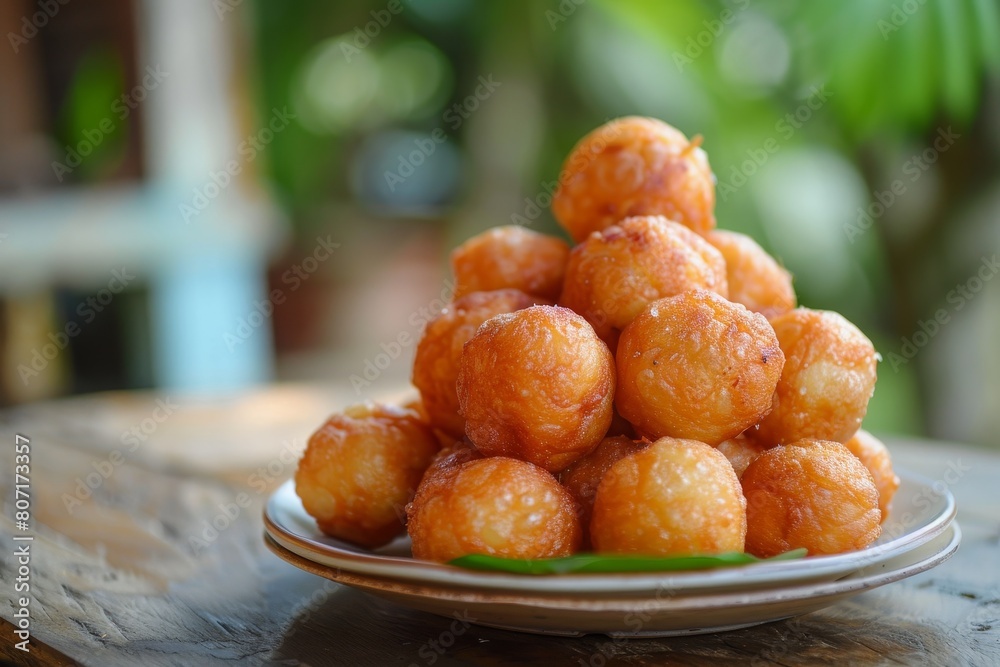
(87, 112)
(739, 73)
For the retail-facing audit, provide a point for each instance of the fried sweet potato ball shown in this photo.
(497, 506)
(696, 366)
(435, 367)
(538, 385)
(873, 453)
(614, 274)
(755, 279)
(827, 381)
(740, 451)
(676, 497)
(582, 478)
(813, 494)
(634, 166)
(455, 454)
(510, 256)
(361, 468)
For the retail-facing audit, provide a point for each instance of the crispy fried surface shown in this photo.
(634, 166)
(455, 454)
(755, 279)
(497, 506)
(873, 453)
(435, 367)
(614, 274)
(582, 478)
(510, 256)
(740, 451)
(361, 468)
(538, 385)
(813, 494)
(675, 497)
(696, 366)
(827, 381)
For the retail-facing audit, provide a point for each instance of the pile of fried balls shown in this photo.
(652, 390)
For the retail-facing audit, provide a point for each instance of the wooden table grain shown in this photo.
(148, 550)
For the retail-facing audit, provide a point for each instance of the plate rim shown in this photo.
(871, 576)
(761, 574)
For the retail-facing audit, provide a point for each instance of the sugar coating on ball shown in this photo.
(813, 494)
(361, 468)
(675, 497)
(497, 506)
(538, 385)
(435, 366)
(827, 381)
(755, 279)
(614, 274)
(696, 366)
(634, 166)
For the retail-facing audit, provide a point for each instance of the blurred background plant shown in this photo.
(859, 141)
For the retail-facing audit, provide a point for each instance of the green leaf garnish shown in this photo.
(611, 563)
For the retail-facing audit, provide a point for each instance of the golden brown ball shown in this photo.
(755, 279)
(452, 455)
(827, 381)
(497, 506)
(634, 166)
(435, 367)
(582, 478)
(361, 468)
(538, 385)
(740, 451)
(813, 494)
(510, 256)
(696, 366)
(614, 274)
(873, 453)
(675, 497)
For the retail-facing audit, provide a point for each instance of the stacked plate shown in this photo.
(919, 534)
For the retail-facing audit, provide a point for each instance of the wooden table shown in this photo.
(118, 578)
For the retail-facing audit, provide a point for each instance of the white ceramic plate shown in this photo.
(920, 513)
(661, 613)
